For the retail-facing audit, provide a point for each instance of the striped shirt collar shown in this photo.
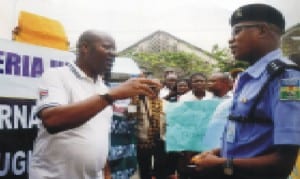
(79, 73)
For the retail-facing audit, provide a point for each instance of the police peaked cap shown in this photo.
(258, 12)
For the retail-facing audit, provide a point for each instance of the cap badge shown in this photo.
(239, 13)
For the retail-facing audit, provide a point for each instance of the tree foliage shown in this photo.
(225, 59)
(185, 63)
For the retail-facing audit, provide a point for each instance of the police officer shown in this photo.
(260, 143)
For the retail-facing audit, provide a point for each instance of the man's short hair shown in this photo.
(198, 74)
(169, 69)
(258, 12)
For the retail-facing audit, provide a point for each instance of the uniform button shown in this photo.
(244, 100)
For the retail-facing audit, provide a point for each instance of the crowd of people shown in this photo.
(259, 139)
(152, 159)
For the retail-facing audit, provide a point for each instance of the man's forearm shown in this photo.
(73, 115)
(279, 162)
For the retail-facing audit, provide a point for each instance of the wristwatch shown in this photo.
(107, 98)
(228, 167)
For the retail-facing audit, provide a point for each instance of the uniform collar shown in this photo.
(259, 67)
(79, 73)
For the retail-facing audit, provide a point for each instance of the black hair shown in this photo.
(198, 74)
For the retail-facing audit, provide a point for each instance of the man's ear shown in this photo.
(83, 47)
(264, 29)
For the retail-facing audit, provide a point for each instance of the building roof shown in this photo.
(291, 40)
(167, 34)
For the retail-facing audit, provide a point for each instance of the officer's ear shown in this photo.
(265, 29)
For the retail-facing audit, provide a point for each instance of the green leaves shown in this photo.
(185, 63)
(225, 59)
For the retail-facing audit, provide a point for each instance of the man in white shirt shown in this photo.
(198, 89)
(75, 110)
(169, 86)
(219, 84)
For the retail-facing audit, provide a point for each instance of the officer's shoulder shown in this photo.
(292, 73)
(291, 69)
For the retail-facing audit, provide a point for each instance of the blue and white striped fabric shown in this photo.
(122, 152)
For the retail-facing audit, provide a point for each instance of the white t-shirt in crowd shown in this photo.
(78, 153)
(189, 96)
(164, 92)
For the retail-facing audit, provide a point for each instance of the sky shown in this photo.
(199, 22)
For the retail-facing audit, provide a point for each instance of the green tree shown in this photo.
(225, 59)
(185, 63)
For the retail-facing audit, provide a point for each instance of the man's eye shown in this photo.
(236, 30)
